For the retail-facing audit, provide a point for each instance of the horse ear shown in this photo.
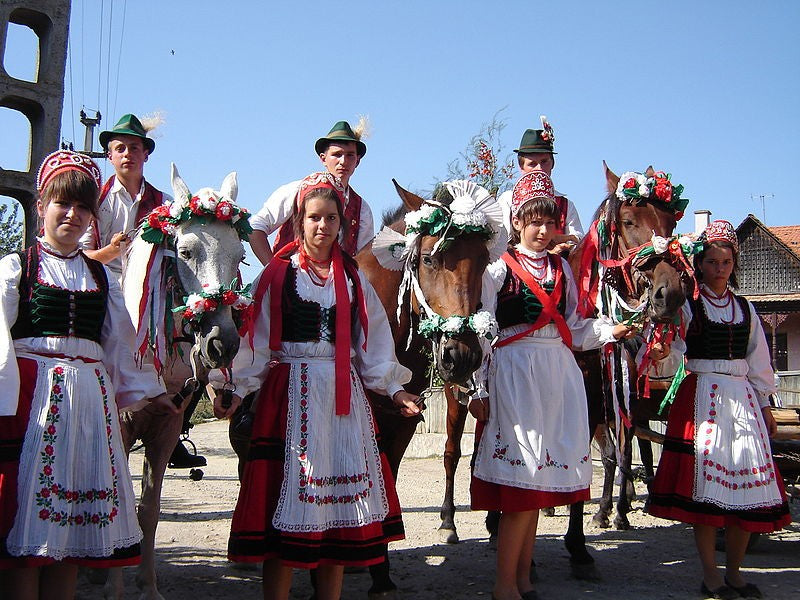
(612, 179)
(650, 171)
(411, 201)
(230, 186)
(179, 188)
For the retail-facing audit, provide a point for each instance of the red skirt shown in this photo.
(253, 537)
(671, 493)
(12, 436)
(486, 495)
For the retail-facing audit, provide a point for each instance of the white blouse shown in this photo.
(116, 348)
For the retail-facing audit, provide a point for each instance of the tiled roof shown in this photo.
(789, 235)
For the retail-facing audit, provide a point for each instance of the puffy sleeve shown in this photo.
(366, 227)
(10, 272)
(378, 365)
(573, 222)
(277, 209)
(250, 366)
(133, 383)
(587, 334)
(760, 373)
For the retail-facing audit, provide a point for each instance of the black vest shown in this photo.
(48, 311)
(517, 304)
(717, 341)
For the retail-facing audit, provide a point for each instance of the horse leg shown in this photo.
(456, 418)
(623, 500)
(580, 561)
(609, 459)
(162, 435)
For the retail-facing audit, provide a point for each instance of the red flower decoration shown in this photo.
(631, 183)
(194, 204)
(663, 190)
(209, 304)
(229, 297)
(224, 210)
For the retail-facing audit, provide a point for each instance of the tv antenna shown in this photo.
(763, 199)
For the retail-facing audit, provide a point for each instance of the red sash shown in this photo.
(273, 276)
(151, 198)
(352, 217)
(549, 303)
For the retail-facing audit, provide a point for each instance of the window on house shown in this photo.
(780, 359)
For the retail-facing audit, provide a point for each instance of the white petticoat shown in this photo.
(75, 494)
(332, 474)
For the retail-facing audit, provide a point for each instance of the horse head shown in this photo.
(636, 222)
(445, 257)
(207, 257)
(184, 260)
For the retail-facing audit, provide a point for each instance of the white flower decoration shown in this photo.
(462, 204)
(644, 191)
(176, 208)
(208, 202)
(685, 241)
(484, 324)
(452, 324)
(397, 250)
(414, 217)
(242, 302)
(660, 244)
(170, 229)
(195, 303)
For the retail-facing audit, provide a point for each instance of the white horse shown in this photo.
(187, 254)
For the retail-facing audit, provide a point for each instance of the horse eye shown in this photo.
(427, 260)
(185, 253)
(627, 223)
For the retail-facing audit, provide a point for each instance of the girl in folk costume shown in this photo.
(534, 448)
(316, 492)
(66, 364)
(716, 469)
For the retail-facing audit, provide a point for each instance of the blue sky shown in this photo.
(705, 90)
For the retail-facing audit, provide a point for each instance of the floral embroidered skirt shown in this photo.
(65, 489)
(716, 467)
(533, 452)
(311, 491)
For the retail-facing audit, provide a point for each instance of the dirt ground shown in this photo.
(655, 559)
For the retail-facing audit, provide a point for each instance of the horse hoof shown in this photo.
(585, 572)
(448, 536)
(196, 474)
(601, 521)
(622, 524)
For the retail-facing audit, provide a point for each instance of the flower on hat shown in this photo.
(547, 131)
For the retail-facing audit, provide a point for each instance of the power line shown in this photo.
(119, 57)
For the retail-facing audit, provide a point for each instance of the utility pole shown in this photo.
(88, 140)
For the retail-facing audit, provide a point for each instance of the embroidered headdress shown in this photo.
(320, 180)
(535, 184)
(66, 160)
(721, 231)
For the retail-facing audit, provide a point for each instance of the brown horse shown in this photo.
(444, 279)
(631, 286)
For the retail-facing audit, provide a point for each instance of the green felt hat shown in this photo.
(341, 132)
(127, 125)
(533, 141)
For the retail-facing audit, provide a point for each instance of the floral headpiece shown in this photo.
(652, 185)
(720, 231)
(66, 160)
(206, 206)
(535, 184)
(196, 304)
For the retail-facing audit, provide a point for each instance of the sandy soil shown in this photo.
(655, 559)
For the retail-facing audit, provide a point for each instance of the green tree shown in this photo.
(483, 161)
(11, 232)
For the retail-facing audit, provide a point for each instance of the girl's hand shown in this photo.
(407, 403)
(659, 351)
(624, 331)
(216, 396)
(479, 408)
(163, 404)
(769, 421)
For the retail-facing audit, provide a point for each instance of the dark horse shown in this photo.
(631, 286)
(444, 279)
